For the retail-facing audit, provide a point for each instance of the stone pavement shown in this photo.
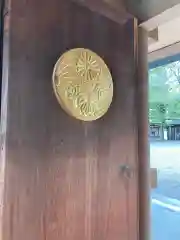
(165, 204)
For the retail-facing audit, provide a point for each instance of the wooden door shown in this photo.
(63, 177)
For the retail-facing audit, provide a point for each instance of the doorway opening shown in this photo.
(164, 138)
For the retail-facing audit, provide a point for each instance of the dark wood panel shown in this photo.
(113, 9)
(121, 10)
(62, 176)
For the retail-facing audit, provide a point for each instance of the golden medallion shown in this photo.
(83, 84)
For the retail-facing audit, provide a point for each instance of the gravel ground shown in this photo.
(165, 156)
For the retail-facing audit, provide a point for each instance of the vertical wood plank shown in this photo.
(62, 176)
(143, 144)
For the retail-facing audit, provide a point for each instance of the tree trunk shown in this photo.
(162, 131)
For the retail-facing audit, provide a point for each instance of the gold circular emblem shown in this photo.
(83, 84)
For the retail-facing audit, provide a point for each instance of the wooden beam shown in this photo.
(162, 18)
(163, 53)
(146, 10)
(112, 9)
(153, 36)
(149, 12)
(143, 145)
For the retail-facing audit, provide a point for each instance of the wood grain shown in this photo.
(62, 176)
(143, 142)
(112, 9)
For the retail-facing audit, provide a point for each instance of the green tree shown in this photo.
(164, 90)
(158, 95)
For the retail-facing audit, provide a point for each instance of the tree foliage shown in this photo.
(164, 93)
